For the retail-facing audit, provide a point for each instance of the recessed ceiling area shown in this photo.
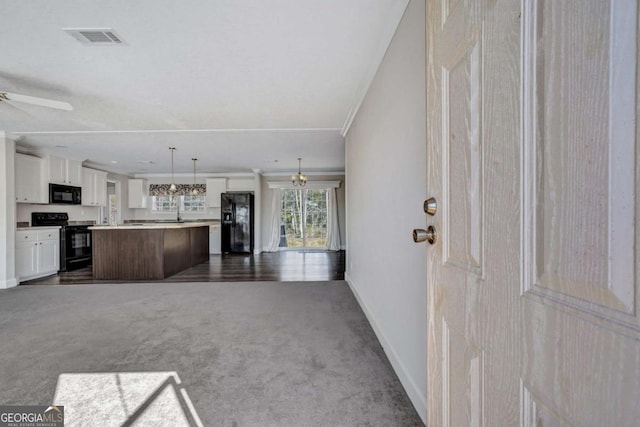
(237, 84)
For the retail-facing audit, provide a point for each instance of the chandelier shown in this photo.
(299, 179)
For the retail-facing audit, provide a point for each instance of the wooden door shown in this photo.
(533, 295)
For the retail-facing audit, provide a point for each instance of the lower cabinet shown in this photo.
(37, 253)
(26, 259)
(215, 239)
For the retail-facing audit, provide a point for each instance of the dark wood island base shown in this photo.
(151, 252)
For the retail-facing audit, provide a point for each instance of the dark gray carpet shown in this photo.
(248, 354)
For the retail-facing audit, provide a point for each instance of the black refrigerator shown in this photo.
(237, 222)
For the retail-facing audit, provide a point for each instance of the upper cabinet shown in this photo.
(94, 187)
(30, 185)
(138, 193)
(64, 171)
(215, 187)
(241, 184)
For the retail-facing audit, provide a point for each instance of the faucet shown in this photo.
(178, 209)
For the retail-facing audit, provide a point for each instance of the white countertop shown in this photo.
(151, 225)
(44, 227)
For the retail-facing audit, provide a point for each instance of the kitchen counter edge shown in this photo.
(150, 226)
(43, 227)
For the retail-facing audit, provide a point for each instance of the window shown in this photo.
(193, 203)
(187, 203)
(304, 218)
(162, 204)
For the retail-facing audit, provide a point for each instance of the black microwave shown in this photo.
(64, 195)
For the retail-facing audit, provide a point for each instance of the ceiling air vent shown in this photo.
(95, 36)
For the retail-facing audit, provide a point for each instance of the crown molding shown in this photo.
(200, 175)
(395, 16)
(287, 185)
(134, 131)
(294, 172)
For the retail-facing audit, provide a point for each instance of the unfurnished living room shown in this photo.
(319, 213)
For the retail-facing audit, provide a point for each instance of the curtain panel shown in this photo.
(273, 238)
(333, 227)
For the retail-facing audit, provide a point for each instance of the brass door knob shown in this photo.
(420, 235)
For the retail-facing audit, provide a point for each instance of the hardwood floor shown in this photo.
(285, 266)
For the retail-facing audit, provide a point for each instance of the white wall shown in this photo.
(266, 202)
(7, 212)
(385, 170)
(125, 212)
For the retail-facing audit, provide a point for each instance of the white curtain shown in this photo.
(273, 239)
(333, 228)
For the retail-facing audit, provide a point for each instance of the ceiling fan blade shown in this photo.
(43, 102)
(14, 108)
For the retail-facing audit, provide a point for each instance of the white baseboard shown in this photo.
(6, 284)
(418, 400)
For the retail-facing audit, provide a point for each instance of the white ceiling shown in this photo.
(235, 83)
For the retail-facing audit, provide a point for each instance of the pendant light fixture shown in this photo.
(194, 191)
(299, 179)
(172, 187)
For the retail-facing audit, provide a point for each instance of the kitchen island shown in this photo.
(150, 251)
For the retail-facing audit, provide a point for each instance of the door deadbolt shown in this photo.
(430, 206)
(420, 235)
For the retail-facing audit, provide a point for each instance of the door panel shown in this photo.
(462, 161)
(535, 413)
(49, 256)
(579, 145)
(532, 153)
(26, 259)
(455, 177)
(462, 377)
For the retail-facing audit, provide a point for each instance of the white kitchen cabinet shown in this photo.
(30, 186)
(64, 171)
(241, 184)
(94, 187)
(57, 168)
(37, 253)
(215, 238)
(49, 256)
(215, 187)
(138, 193)
(101, 188)
(88, 186)
(26, 259)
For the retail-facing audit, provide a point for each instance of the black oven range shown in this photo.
(75, 240)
